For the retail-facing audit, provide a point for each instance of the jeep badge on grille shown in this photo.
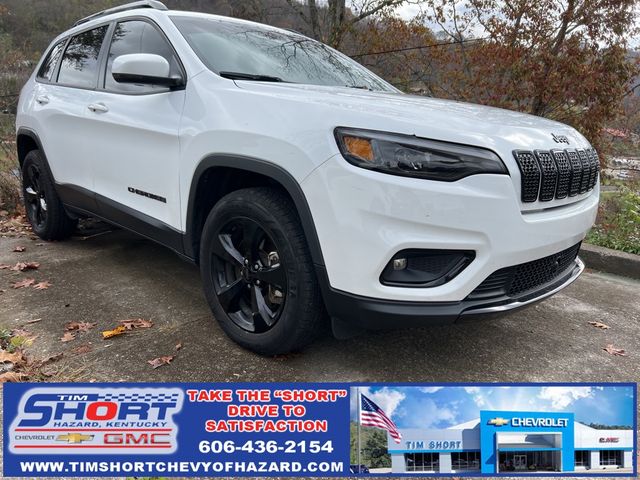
(560, 138)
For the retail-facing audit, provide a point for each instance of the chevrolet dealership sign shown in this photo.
(495, 428)
(538, 422)
(529, 422)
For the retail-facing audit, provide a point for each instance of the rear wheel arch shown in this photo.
(26, 141)
(218, 175)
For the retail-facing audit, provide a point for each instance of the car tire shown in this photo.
(43, 206)
(257, 272)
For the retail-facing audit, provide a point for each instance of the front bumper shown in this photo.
(364, 218)
(350, 311)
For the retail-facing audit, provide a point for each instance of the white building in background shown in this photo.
(501, 442)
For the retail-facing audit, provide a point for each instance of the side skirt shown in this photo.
(85, 202)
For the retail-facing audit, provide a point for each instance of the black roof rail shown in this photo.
(155, 4)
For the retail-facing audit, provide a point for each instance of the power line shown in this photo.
(420, 47)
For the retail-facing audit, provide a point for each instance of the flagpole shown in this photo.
(359, 407)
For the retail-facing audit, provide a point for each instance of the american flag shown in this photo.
(371, 415)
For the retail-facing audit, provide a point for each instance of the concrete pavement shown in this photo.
(117, 275)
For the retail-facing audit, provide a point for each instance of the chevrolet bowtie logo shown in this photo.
(499, 421)
(74, 438)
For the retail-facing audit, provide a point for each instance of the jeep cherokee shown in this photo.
(301, 183)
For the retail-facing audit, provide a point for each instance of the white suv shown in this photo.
(298, 180)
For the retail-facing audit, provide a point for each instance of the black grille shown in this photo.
(576, 173)
(595, 167)
(549, 171)
(512, 281)
(546, 175)
(564, 173)
(586, 170)
(530, 172)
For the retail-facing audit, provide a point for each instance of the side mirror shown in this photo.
(145, 68)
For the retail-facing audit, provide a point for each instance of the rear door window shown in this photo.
(80, 64)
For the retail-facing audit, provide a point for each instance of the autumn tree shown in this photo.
(330, 21)
(390, 46)
(565, 60)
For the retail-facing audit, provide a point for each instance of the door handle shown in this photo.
(42, 99)
(98, 108)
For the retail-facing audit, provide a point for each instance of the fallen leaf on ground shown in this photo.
(113, 333)
(12, 377)
(19, 248)
(600, 325)
(15, 358)
(22, 266)
(52, 358)
(86, 348)
(27, 282)
(178, 347)
(42, 285)
(160, 361)
(611, 350)
(68, 336)
(79, 326)
(136, 323)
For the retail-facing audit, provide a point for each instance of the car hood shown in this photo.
(422, 116)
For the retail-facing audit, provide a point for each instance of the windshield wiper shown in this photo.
(360, 87)
(249, 76)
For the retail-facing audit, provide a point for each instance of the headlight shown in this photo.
(411, 156)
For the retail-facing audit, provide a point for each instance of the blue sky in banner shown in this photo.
(442, 407)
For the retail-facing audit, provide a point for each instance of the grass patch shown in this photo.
(10, 200)
(618, 222)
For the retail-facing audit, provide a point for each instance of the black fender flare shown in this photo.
(267, 169)
(27, 132)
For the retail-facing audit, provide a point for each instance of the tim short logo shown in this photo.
(96, 420)
(560, 138)
(498, 421)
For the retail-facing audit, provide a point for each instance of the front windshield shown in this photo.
(233, 47)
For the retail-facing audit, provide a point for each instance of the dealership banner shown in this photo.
(307, 429)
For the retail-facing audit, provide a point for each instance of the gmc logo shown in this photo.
(133, 439)
(609, 440)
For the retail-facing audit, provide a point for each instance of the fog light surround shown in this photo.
(425, 268)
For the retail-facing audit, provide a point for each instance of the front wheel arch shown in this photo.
(220, 174)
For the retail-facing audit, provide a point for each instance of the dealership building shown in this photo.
(502, 442)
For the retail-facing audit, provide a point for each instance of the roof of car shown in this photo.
(152, 8)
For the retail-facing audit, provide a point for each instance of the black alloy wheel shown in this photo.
(250, 281)
(45, 211)
(257, 272)
(34, 197)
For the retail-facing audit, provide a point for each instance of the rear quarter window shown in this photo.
(49, 65)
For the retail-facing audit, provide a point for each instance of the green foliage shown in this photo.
(618, 223)
(373, 442)
(375, 449)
